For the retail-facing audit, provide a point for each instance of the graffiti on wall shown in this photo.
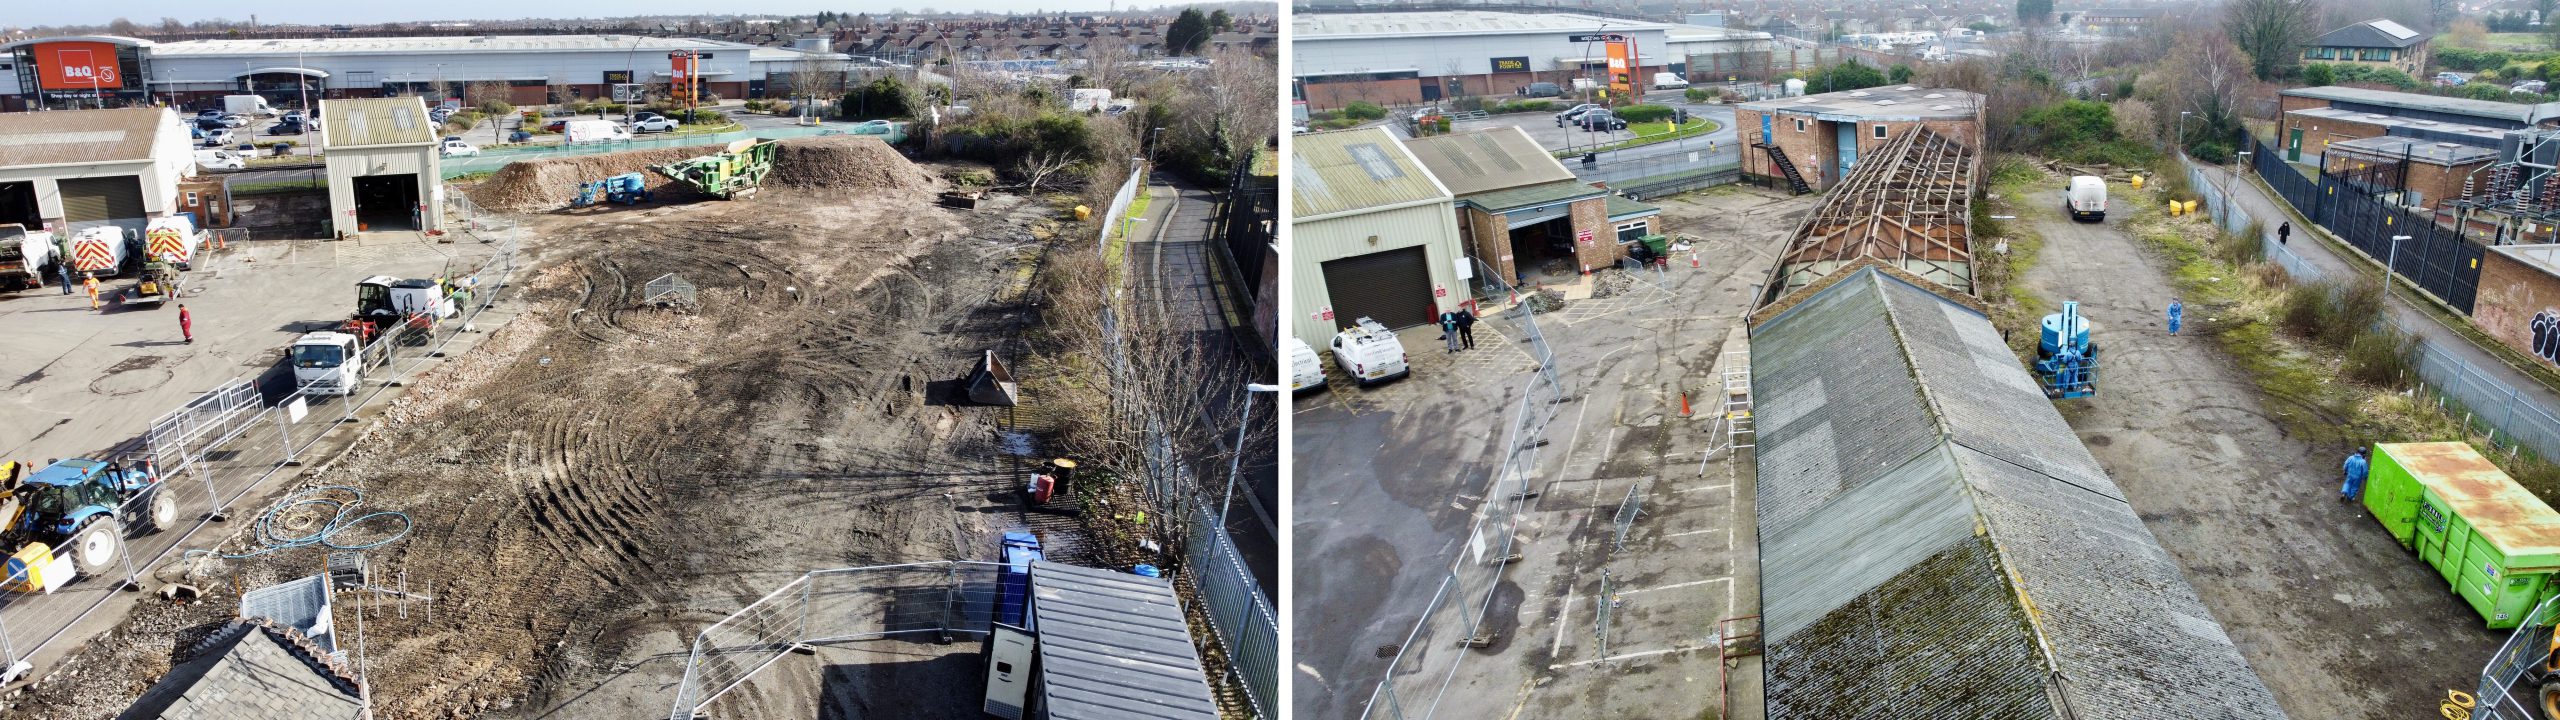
(2546, 335)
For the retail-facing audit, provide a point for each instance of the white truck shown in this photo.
(1669, 81)
(328, 363)
(174, 239)
(587, 131)
(2087, 198)
(222, 159)
(23, 256)
(249, 105)
(98, 252)
(1370, 353)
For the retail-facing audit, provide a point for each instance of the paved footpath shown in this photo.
(2334, 258)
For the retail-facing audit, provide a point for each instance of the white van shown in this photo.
(1306, 371)
(2087, 199)
(221, 160)
(1369, 352)
(1669, 81)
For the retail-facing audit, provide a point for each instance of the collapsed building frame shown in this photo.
(1908, 204)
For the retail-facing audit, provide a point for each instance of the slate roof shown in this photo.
(82, 136)
(252, 669)
(1936, 542)
(1114, 646)
(1485, 160)
(2371, 34)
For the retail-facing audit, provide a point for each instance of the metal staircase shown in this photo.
(1795, 178)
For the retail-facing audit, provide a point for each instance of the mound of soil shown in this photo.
(854, 162)
(549, 184)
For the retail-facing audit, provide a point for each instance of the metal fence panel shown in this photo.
(1237, 612)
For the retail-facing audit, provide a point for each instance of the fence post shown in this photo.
(212, 496)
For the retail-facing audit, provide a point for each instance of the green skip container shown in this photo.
(2494, 542)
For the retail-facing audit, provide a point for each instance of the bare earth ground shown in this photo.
(2339, 621)
(604, 478)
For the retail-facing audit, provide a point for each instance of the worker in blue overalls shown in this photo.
(2355, 477)
(2177, 315)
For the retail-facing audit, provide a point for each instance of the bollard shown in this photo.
(1684, 404)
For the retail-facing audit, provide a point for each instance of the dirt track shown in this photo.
(603, 477)
(2339, 621)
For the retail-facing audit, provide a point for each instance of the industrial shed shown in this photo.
(1936, 542)
(1112, 645)
(383, 165)
(72, 169)
(1373, 235)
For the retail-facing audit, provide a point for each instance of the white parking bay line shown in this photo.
(1676, 586)
(1630, 656)
(1704, 488)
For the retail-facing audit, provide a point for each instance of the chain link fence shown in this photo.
(1428, 662)
(944, 599)
(210, 454)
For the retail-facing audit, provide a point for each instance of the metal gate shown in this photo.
(182, 436)
(1393, 286)
(117, 197)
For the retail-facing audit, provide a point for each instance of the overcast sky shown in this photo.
(149, 12)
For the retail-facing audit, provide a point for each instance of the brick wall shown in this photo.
(2317, 133)
(1332, 96)
(1818, 140)
(1489, 238)
(1603, 251)
(2512, 295)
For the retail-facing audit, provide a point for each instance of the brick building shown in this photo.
(1519, 209)
(2374, 43)
(2423, 172)
(2314, 118)
(2519, 299)
(1821, 136)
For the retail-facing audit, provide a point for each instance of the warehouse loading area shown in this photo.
(565, 476)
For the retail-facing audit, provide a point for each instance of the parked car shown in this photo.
(217, 137)
(455, 147)
(655, 124)
(2447, 78)
(1541, 90)
(235, 121)
(559, 125)
(286, 128)
(1600, 121)
(2536, 87)
(1570, 114)
(645, 115)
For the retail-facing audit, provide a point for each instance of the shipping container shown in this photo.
(2496, 544)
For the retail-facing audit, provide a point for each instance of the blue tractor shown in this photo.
(86, 505)
(624, 189)
(2066, 359)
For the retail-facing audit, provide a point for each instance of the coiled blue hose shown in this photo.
(270, 540)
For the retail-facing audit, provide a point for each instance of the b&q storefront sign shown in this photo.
(1511, 64)
(78, 65)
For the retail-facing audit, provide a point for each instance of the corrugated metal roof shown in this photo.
(1531, 196)
(1621, 209)
(2516, 112)
(1486, 160)
(299, 604)
(2509, 516)
(82, 136)
(1114, 645)
(1930, 525)
(1889, 101)
(437, 44)
(1340, 172)
(364, 122)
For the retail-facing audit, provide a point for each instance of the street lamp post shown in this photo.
(2182, 132)
(1235, 458)
(2392, 265)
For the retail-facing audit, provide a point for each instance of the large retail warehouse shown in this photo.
(1404, 58)
(64, 72)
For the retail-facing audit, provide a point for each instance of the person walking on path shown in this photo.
(93, 293)
(2284, 232)
(186, 324)
(2177, 315)
(1449, 329)
(2355, 477)
(1467, 328)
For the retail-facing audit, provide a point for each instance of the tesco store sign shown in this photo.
(78, 65)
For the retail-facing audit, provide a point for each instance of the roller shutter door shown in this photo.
(106, 198)
(1392, 286)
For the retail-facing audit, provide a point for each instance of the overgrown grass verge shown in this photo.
(2327, 372)
(2014, 308)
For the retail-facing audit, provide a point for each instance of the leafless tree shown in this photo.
(813, 79)
(1245, 99)
(1107, 61)
(2271, 32)
(1041, 167)
(486, 93)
